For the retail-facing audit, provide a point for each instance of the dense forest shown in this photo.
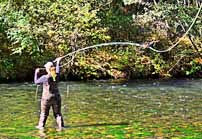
(33, 32)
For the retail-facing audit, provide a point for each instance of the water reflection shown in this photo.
(97, 125)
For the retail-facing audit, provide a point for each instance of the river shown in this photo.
(107, 110)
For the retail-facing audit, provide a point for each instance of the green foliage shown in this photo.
(46, 28)
(6, 68)
(41, 30)
(16, 26)
(195, 67)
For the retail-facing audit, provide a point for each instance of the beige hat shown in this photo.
(48, 65)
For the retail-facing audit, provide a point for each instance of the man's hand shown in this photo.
(58, 59)
(37, 70)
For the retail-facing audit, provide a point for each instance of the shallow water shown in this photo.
(94, 110)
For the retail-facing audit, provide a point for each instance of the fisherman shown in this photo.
(50, 96)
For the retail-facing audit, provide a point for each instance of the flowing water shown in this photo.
(150, 109)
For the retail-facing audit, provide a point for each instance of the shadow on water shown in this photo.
(44, 133)
(96, 125)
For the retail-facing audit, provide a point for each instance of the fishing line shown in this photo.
(149, 45)
(185, 34)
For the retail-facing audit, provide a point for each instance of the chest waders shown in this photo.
(50, 98)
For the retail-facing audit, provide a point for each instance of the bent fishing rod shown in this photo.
(145, 45)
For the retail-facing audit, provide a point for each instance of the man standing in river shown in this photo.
(50, 96)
